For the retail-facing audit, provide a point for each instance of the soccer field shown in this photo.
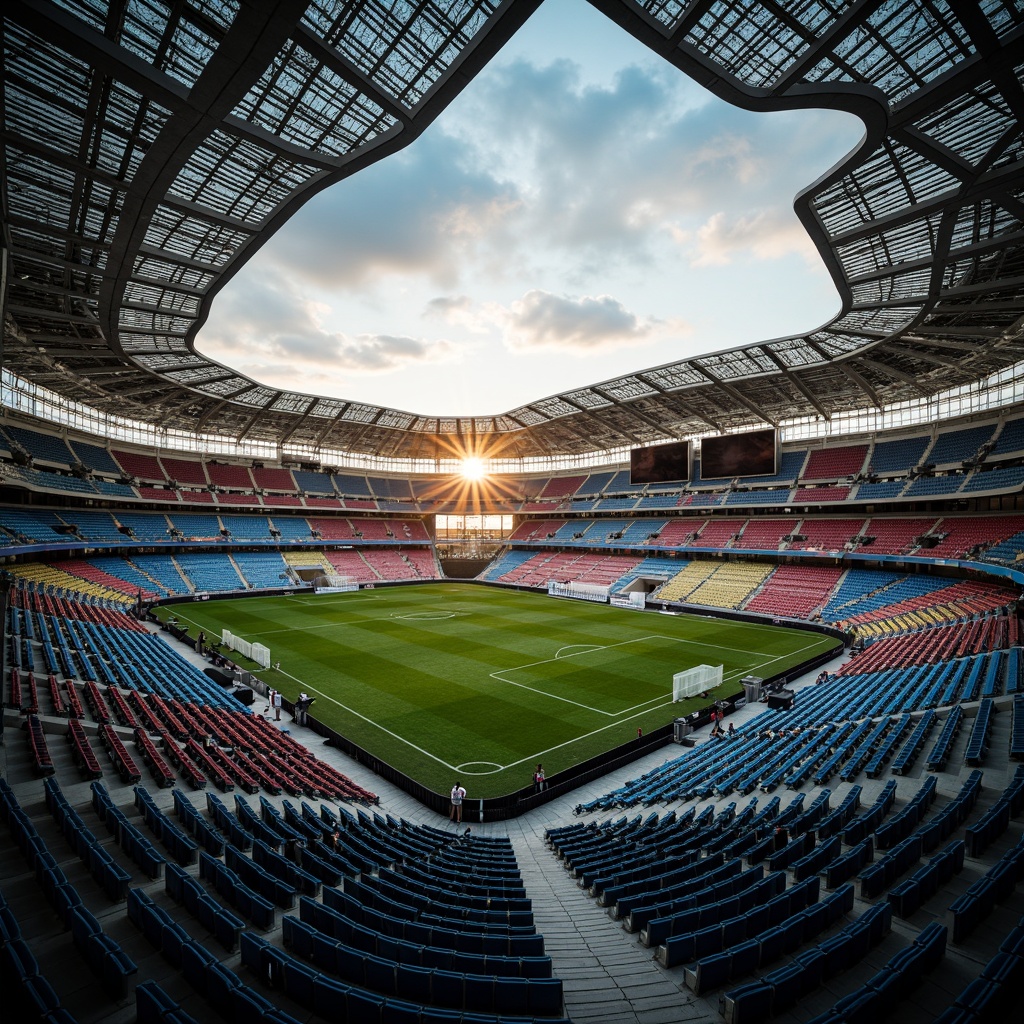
(450, 680)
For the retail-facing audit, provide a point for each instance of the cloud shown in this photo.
(420, 211)
(586, 323)
(255, 328)
(614, 164)
(762, 236)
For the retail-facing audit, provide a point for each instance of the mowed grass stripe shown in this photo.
(414, 679)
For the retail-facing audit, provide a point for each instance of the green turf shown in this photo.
(455, 680)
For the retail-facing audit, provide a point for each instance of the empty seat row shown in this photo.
(112, 878)
(995, 993)
(186, 890)
(780, 989)
(249, 903)
(903, 972)
(906, 896)
(326, 995)
(486, 942)
(105, 957)
(780, 911)
(423, 984)
(970, 909)
(336, 926)
(182, 848)
(128, 837)
(761, 950)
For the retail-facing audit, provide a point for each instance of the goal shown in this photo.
(695, 681)
(254, 652)
(331, 583)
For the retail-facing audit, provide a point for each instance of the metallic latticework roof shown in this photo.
(149, 149)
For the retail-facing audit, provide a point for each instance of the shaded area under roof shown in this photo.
(146, 160)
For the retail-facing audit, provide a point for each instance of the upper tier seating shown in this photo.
(352, 486)
(333, 529)
(896, 536)
(211, 572)
(389, 487)
(899, 456)
(815, 495)
(561, 486)
(146, 526)
(1008, 478)
(140, 465)
(28, 525)
(883, 490)
(94, 457)
(608, 482)
(955, 446)
(1010, 440)
(93, 526)
(766, 534)
(184, 471)
(270, 478)
(927, 486)
(716, 533)
(795, 591)
(242, 528)
(827, 534)
(226, 474)
(835, 463)
(40, 446)
(195, 526)
(536, 529)
(313, 483)
(291, 527)
(962, 535)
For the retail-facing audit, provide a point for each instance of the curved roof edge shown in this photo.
(146, 164)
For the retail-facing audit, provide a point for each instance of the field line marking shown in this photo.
(572, 647)
(538, 754)
(590, 648)
(370, 721)
(611, 725)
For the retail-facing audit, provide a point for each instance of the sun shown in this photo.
(472, 468)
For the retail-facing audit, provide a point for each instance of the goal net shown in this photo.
(695, 681)
(332, 583)
(578, 591)
(254, 652)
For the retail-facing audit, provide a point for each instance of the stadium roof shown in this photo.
(151, 149)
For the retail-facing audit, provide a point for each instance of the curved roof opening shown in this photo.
(581, 209)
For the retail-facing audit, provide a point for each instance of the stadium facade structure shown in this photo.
(150, 151)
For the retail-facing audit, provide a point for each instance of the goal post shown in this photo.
(332, 583)
(695, 681)
(254, 652)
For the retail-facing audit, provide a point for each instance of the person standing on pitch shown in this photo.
(458, 795)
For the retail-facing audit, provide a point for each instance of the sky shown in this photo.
(581, 211)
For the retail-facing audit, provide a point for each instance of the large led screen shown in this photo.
(752, 454)
(660, 463)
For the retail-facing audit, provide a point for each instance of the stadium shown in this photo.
(725, 652)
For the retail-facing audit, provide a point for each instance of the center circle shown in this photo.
(428, 616)
(467, 768)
